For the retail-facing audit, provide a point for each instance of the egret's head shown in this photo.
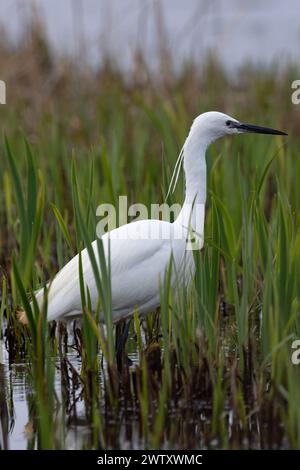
(214, 125)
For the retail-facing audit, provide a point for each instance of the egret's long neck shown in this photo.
(194, 163)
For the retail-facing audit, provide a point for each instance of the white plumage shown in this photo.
(137, 267)
(140, 252)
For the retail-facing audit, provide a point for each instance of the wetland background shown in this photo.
(212, 369)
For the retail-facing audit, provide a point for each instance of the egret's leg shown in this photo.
(122, 330)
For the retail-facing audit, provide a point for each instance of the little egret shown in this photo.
(140, 251)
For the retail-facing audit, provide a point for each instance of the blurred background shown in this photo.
(251, 30)
(198, 48)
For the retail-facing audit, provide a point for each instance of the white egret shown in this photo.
(140, 251)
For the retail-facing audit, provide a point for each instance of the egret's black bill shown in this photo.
(258, 129)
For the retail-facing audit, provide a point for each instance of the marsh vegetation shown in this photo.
(212, 368)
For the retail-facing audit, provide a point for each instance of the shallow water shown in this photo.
(188, 420)
(16, 429)
(14, 391)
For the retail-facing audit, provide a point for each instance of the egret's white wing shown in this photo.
(139, 255)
